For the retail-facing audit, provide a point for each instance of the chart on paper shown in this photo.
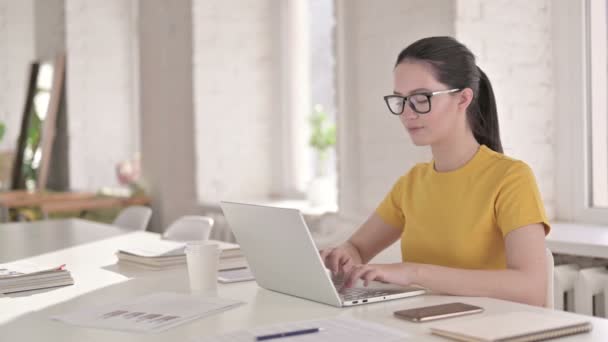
(150, 313)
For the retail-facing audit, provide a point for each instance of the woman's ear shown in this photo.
(465, 97)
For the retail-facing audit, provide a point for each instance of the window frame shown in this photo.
(293, 157)
(572, 68)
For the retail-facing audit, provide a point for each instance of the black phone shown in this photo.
(430, 313)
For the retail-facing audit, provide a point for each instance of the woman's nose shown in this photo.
(409, 114)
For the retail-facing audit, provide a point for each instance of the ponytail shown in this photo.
(483, 117)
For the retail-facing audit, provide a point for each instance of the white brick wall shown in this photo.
(236, 88)
(18, 51)
(101, 89)
(379, 148)
(512, 42)
(235, 51)
(513, 45)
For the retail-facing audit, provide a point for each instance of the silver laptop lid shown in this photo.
(280, 251)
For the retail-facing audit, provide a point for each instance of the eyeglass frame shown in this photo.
(406, 99)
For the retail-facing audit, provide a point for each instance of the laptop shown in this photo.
(283, 257)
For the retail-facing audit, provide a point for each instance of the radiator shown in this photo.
(581, 285)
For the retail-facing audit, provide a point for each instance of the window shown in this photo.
(581, 79)
(598, 109)
(255, 146)
(32, 155)
(309, 156)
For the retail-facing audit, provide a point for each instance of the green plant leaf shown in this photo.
(323, 133)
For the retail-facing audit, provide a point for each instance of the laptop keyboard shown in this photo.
(356, 294)
(359, 293)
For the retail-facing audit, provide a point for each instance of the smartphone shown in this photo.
(430, 313)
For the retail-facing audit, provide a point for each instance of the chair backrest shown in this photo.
(134, 217)
(549, 299)
(189, 228)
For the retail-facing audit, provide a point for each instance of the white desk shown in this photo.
(21, 240)
(578, 239)
(26, 318)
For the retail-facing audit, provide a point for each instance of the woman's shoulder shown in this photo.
(415, 172)
(419, 168)
(504, 164)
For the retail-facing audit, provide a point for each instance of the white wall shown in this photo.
(101, 89)
(236, 51)
(50, 28)
(236, 87)
(374, 149)
(17, 43)
(167, 113)
(512, 42)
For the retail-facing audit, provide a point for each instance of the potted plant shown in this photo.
(322, 140)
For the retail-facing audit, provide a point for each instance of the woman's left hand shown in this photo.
(399, 274)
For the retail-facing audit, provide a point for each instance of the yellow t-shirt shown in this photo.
(460, 218)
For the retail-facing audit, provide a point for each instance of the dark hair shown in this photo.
(454, 65)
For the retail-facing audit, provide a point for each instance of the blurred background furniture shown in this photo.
(189, 228)
(135, 217)
(84, 205)
(19, 199)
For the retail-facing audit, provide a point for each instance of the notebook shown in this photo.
(165, 254)
(25, 276)
(512, 327)
(167, 248)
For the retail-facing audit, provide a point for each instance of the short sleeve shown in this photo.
(519, 202)
(390, 209)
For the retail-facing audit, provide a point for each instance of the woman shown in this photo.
(471, 222)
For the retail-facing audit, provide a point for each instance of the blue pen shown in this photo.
(287, 334)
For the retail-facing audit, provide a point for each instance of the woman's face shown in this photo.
(448, 111)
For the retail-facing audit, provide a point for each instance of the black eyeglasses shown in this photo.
(420, 102)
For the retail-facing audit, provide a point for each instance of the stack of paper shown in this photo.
(164, 254)
(149, 313)
(24, 276)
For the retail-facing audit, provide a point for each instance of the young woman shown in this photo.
(471, 222)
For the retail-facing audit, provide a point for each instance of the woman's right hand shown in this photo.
(341, 259)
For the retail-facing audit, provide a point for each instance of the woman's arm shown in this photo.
(524, 280)
(373, 237)
(369, 240)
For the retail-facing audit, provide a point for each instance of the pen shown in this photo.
(287, 334)
(233, 269)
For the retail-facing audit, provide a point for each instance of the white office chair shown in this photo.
(134, 217)
(189, 228)
(549, 296)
